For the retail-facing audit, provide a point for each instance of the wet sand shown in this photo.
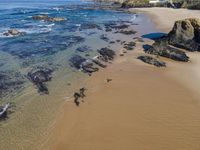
(143, 108)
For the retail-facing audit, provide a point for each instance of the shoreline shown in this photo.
(143, 107)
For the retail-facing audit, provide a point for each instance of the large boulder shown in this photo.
(186, 34)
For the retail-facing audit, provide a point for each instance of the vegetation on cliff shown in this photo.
(135, 3)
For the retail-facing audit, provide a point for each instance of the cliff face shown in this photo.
(135, 3)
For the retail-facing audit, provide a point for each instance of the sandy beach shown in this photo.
(143, 107)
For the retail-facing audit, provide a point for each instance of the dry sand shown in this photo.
(142, 108)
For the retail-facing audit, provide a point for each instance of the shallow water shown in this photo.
(50, 45)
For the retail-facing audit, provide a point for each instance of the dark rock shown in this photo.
(88, 67)
(107, 53)
(76, 61)
(97, 61)
(39, 77)
(162, 48)
(76, 98)
(109, 80)
(118, 41)
(78, 95)
(84, 48)
(47, 18)
(87, 26)
(130, 46)
(152, 61)
(126, 32)
(13, 32)
(186, 34)
(104, 37)
(111, 42)
(85, 65)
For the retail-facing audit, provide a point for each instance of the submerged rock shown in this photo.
(162, 48)
(84, 48)
(47, 18)
(10, 82)
(104, 38)
(186, 34)
(13, 32)
(107, 54)
(83, 64)
(152, 61)
(76, 61)
(87, 26)
(39, 77)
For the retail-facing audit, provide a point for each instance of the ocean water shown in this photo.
(50, 45)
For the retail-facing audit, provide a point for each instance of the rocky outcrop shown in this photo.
(13, 32)
(152, 61)
(162, 48)
(91, 65)
(186, 34)
(39, 77)
(47, 18)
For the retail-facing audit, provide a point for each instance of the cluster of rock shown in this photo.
(13, 32)
(91, 65)
(185, 36)
(119, 27)
(47, 18)
(39, 77)
(162, 48)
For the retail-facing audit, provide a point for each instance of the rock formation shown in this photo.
(152, 61)
(186, 34)
(162, 48)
